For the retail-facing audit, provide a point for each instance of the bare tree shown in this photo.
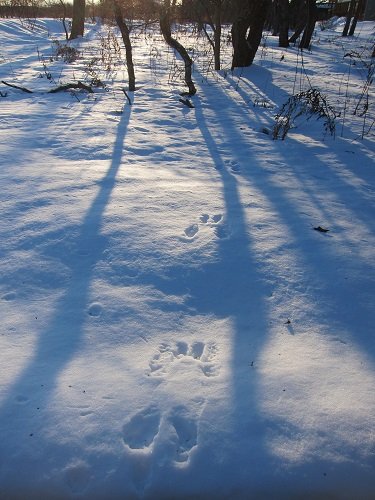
(125, 33)
(78, 19)
(63, 5)
(211, 13)
(166, 17)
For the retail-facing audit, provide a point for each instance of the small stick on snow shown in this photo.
(78, 85)
(321, 229)
(17, 87)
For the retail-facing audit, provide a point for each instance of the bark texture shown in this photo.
(165, 28)
(78, 19)
(247, 30)
(125, 34)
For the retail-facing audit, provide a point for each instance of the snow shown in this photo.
(172, 324)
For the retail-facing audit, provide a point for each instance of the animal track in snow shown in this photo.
(95, 309)
(198, 354)
(175, 430)
(191, 231)
(9, 296)
(21, 399)
(186, 430)
(221, 232)
(233, 166)
(77, 477)
(140, 431)
(214, 221)
(210, 219)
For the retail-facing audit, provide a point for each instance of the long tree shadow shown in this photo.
(59, 342)
(317, 261)
(227, 285)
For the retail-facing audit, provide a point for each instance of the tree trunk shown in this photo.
(310, 26)
(217, 37)
(357, 15)
(78, 19)
(300, 19)
(124, 29)
(283, 23)
(275, 18)
(165, 28)
(64, 19)
(349, 17)
(247, 31)
(203, 11)
(241, 50)
(259, 17)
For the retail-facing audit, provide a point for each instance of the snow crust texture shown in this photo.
(172, 326)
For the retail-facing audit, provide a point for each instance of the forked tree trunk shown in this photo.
(78, 19)
(124, 29)
(165, 28)
(214, 21)
(247, 32)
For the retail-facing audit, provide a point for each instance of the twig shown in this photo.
(17, 87)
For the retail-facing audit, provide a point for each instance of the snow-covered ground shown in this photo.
(172, 326)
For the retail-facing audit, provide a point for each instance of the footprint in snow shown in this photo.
(215, 221)
(191, 231)
(186, 433)
(21, 399)
(208, 220)
(9, 296)
(233, 166)
(221, 232)
(77, 477)
(198, 354)
(95, 309)
(141, 430)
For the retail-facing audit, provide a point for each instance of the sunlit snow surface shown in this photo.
(172, 326)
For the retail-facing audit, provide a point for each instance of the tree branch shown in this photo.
(78, 85)
(17, 87)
